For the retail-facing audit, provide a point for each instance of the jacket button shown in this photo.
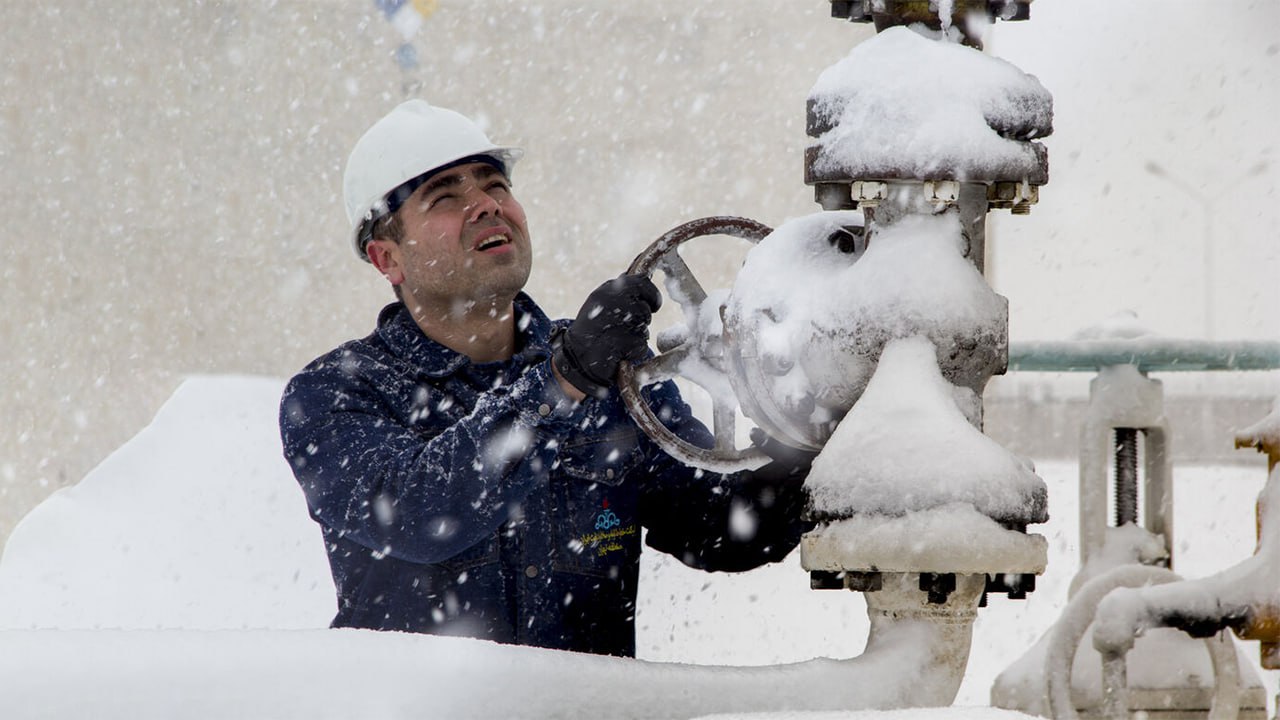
(609, 473)
(531, 571)
(544, 409)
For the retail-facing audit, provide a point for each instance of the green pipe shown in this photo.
(1148, 354)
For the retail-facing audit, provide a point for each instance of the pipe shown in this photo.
(939, 668)
(915, 656)
(1079, 614)
(1242, 597)
(1150, 354)
(1226, 679)
(1115, 686)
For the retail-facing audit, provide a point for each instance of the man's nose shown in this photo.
(481, 203)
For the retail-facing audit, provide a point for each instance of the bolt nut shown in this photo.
(868, 192)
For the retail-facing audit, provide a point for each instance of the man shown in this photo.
(471, 466)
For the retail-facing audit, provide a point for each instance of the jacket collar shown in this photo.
(406, 340)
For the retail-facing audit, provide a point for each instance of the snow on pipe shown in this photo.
(915, 656)
(1226, 674)
(1231, 598)
(1235, 598)
(1079, 614)
(1264, 626)
(927, 205)
(1150, 353)
(1240, 598)
(916, 362)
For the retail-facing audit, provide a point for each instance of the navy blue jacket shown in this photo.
(476, 499)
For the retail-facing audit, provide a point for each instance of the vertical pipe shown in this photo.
(1157, 488)
(973, 224)
(1115, 686)
(1095, 449)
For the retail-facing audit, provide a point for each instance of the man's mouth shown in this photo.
(492, 242)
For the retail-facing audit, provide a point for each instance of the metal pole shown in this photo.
(1209, 314)
(1206, 202)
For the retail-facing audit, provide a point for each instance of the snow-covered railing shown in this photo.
(1149, 354)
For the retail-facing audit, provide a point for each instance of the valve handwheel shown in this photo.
(694, 346)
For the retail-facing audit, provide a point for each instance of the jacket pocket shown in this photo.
(596, 525)
(605, 459)
(482, 553)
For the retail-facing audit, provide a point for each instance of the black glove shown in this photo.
(782, 478)
(612, 326)
(785, 462)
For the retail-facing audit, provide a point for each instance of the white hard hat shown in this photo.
(411, 140)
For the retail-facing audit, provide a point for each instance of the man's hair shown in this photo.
(388, 227)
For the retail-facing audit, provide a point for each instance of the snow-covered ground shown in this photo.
(199, 587)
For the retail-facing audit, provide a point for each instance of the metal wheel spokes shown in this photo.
(691, 295)
(665, 366)
(723, 425)
(685, 288)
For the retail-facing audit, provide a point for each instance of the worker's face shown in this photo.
(466, 243)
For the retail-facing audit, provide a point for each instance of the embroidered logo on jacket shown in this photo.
(607, 520)
(609, 532)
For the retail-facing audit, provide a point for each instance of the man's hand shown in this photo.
(786, 466)
(612, 326)
(779, 484)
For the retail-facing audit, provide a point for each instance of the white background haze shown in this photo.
(171, 194)
(172, 172)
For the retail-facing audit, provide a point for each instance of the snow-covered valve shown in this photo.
(792, 342)
(924, 134)
(869, 332)
(796, 339)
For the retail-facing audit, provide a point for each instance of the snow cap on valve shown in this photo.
(413, 140)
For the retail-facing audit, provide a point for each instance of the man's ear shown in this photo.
(385, 255)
